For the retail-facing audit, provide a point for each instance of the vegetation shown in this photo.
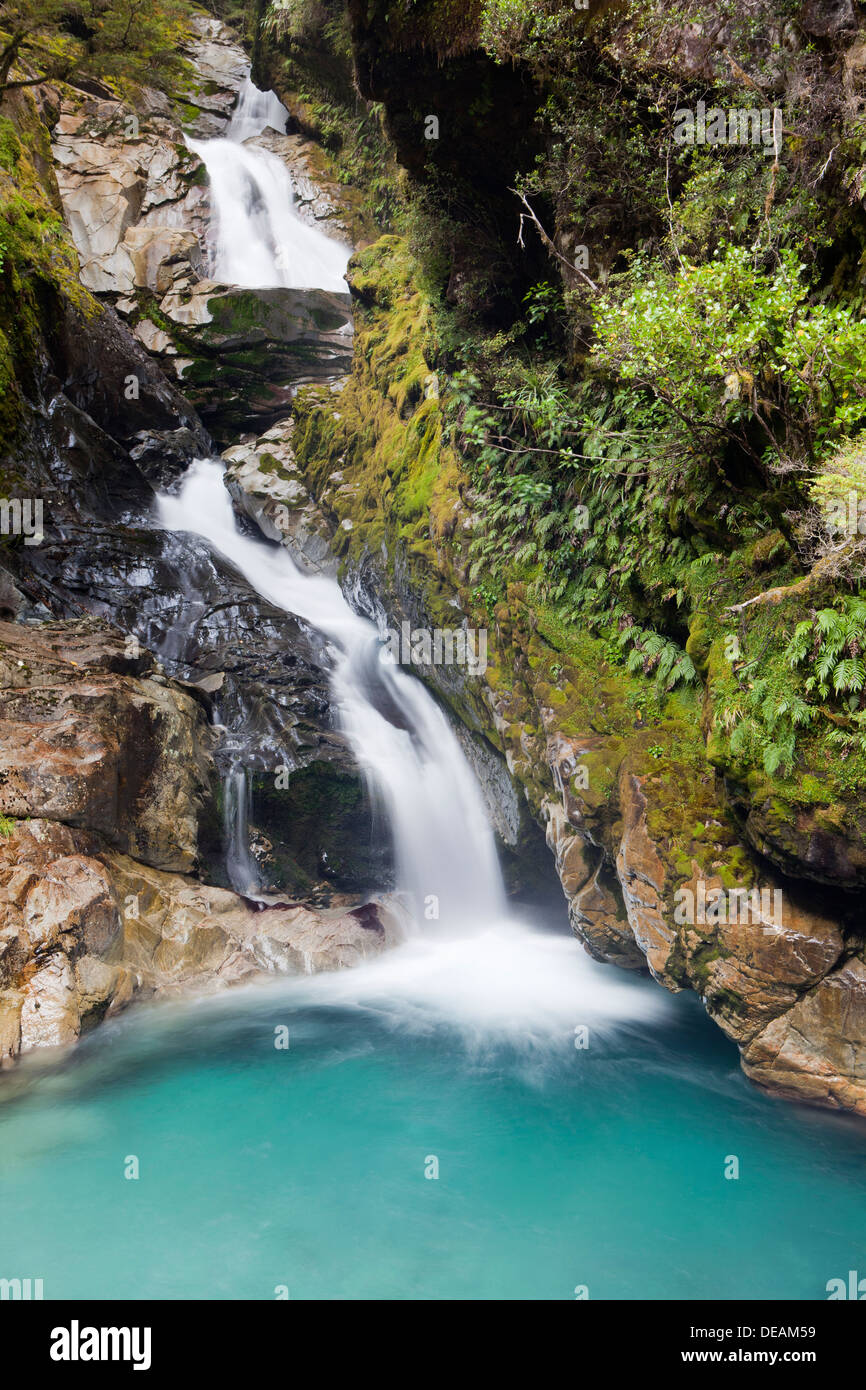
(315, 65)
(659, 430)
(123, 41)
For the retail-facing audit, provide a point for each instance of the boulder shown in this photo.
(109, 183)
(126, 755)
(816, 1050)
(161, 256)
(246, 351)
(84, 930)
(264, 480)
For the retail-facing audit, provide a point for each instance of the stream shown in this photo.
(483, 1112)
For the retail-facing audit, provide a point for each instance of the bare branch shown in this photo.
(530, 214)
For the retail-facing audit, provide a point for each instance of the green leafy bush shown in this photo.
(728, 344)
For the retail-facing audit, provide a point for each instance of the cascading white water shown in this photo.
(256, 111)
(242, 869)
(415, 768)
(257, 239)
(474, 967)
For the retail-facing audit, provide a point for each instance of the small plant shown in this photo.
(7, 826)
(833, 640)
(488, 596)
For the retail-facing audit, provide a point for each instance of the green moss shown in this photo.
(10, 145)
(38, 263)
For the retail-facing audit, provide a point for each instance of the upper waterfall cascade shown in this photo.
(257, 238)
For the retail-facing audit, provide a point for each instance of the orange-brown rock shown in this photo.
(85, 930)
(86, 741)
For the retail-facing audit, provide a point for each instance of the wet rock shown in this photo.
(816, 1051)
(823, 843)
(107, 375)
(203, 619)
(595, 907)
(247, 351)
(641, 874)
(12, 601)
(264, 480)
(163, 455)
(87, 930)
(321, 835)
(120, 754)
(221, 65)
(154, 339)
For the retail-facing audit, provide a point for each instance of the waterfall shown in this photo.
(241, 867)
(414, 767)
(257, 239)
(255, 112)
(411, 760)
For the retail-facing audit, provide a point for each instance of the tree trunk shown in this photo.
(9, 55)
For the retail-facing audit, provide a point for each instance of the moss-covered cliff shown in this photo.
(606, 381)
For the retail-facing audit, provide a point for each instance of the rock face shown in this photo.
(84, 930)
(264, 480)
(221, 65)
(87, 742)
(266, 668)
(111, 186)
(246, 352)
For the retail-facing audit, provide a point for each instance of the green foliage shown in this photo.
(653, 654)
(7, 826)
(125, 42)
(574, 494)
(840, 475)
(833, 642)
(726, 345)
(489, 596)
(543, 33)
(763, 726)
(313, 40)
(811, 685)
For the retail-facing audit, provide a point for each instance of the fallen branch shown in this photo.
(547, 240)
(823, 569)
